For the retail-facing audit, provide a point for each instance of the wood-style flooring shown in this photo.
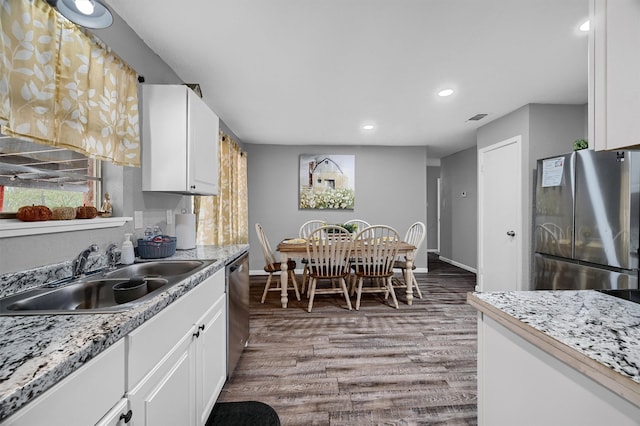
(411, 366)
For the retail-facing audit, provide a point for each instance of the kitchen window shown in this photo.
(32, 173)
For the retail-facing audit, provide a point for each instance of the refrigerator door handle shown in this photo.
(511, 233)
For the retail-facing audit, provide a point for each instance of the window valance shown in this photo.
(61, 87)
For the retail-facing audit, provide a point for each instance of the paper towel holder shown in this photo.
(185, 231)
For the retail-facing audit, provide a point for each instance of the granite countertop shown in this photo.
(596, 333)
(38, 351)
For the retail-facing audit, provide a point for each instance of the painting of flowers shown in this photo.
(327, 181)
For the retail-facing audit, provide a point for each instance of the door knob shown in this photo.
(511, 233)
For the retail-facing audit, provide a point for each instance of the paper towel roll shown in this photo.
(185, 231)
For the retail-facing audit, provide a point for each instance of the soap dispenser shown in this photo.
(127, 256)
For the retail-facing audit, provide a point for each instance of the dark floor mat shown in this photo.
(246, 413)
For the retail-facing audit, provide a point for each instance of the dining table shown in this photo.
(296, 248)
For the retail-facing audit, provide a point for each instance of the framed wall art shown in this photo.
(327, 181)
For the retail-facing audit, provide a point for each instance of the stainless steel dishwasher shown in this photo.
(237, 274)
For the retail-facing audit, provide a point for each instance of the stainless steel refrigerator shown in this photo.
(586, 221)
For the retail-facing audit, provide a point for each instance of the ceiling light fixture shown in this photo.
(86, 13)
(85, 7)
(445, 92)
(585, 26)
(367, 127)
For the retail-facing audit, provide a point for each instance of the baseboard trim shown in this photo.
(458, 264)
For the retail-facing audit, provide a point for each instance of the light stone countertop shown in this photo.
(593, 332)
(37, 351)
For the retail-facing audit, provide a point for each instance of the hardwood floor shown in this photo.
(411, 366)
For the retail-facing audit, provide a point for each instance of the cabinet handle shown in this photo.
(197, 333)
(126, 417)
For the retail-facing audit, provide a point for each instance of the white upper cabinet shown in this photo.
(614, 74)
(179, 141)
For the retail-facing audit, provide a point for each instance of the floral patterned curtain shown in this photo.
(224, 219)
(60, 87)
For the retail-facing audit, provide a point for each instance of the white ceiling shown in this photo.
(314, 71)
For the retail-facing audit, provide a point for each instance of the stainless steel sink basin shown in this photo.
(95, 294)
(156, 269)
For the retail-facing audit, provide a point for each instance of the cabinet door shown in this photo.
(211, 358)
(203, 147)
(120, 415)
(80, 399)
(148, 344)
(615, 89)
(166, 397)
(164, 137)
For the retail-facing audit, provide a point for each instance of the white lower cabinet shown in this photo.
(176, 361)
(120, 415)
(82, 398)
(166, 396)
(520, 384)
(211, 358)
(169, 371)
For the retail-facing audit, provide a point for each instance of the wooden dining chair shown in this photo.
(309, 226)
(414, 236)
(376, 248)
(360, 225)
(304, 231)
(328, 256)
(272, 267)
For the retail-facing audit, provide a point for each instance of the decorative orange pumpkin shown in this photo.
(63, 213)
(86, 212)
(34, 213)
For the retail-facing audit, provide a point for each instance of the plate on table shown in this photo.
(295, 241)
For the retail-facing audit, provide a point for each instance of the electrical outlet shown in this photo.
(138, 221)
(169, 217)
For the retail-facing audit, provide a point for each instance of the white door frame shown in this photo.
(481, 190)
(438, 183)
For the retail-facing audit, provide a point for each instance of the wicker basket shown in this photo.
(155, 250)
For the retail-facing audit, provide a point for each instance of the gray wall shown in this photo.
(554, 128)
(431, 242)
(458, 214)
(390, 185)
(546, 130)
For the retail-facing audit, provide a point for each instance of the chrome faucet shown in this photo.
(113, 256)
(80, 262)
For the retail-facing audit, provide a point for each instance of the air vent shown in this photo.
(477, 117)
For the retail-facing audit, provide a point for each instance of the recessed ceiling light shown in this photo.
(84, 6)
(585, 26)
(367, 127)
(445, 92)
(85, 13)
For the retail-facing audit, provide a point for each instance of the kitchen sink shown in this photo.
(160, 268)
(96, 294)
(626, 294)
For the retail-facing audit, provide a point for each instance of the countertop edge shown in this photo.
(106, 336)
(615, 382)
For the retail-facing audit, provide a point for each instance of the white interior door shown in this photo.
(499, 216)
